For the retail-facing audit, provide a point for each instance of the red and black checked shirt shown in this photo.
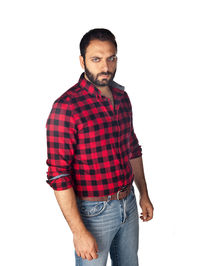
(90, 143)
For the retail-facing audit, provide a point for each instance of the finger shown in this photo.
(83, 255)
(94, 255)
(144, 212)
(150, 214)
(78, 253)
(141, 217)
(88, 256)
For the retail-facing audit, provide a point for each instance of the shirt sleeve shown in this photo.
(135, 148)
(61, 145)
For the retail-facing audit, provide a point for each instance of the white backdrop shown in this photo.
(159, 64)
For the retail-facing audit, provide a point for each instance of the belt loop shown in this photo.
(109, 198)
(118, 194)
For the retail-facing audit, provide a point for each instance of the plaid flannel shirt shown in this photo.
(90, 143)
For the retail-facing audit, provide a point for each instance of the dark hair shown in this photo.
(96, 34)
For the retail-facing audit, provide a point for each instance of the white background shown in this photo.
(159, 64)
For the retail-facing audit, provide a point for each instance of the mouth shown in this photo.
(105, 76)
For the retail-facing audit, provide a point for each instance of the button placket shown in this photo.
(118, 138)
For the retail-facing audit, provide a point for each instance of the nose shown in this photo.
(104, 66)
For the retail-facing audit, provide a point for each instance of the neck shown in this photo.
(103, 88)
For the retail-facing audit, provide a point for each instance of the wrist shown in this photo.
(144, 195)
(79, 230)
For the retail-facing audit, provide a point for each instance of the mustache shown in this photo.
(104, 73)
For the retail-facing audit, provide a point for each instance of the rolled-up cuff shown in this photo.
(136, 153)
(60, 182)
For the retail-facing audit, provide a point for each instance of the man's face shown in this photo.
(100, 62)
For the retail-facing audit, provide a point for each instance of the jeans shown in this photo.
(115, 226)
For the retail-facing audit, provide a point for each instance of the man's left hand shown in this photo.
(147, 209)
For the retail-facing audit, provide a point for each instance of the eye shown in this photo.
(112, 58)
(95, 59)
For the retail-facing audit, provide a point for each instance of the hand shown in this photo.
(85, 245)
(147, 209)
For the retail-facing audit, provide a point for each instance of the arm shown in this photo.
(135, 159)
(61, 148)
(138, 171)
(145, 203)
(61, 144)
(84, 242)
(67, 202)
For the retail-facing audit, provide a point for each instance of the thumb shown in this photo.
(144, 213)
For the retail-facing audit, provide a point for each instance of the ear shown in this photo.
(82, 62)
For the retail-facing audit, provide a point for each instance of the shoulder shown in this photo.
(67, 100)
(64, 106)
(68, 96)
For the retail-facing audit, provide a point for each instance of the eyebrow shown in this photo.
(101, 57)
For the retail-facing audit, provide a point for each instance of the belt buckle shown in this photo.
(122, 189)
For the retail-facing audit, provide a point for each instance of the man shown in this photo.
(94, 156)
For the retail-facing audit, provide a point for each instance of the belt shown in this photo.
(121, 194)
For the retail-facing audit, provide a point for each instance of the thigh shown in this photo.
(100, 261)
(124, 247)
(98, 219)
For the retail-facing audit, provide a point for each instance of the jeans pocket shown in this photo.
(91, 208)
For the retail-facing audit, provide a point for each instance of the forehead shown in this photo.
(97, 47)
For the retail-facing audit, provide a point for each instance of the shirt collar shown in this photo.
(94, 91)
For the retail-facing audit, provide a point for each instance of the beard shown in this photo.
(103, 82)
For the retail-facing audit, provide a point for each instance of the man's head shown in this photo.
(98, 49)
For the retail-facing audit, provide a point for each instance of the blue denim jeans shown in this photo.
(115, 226)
